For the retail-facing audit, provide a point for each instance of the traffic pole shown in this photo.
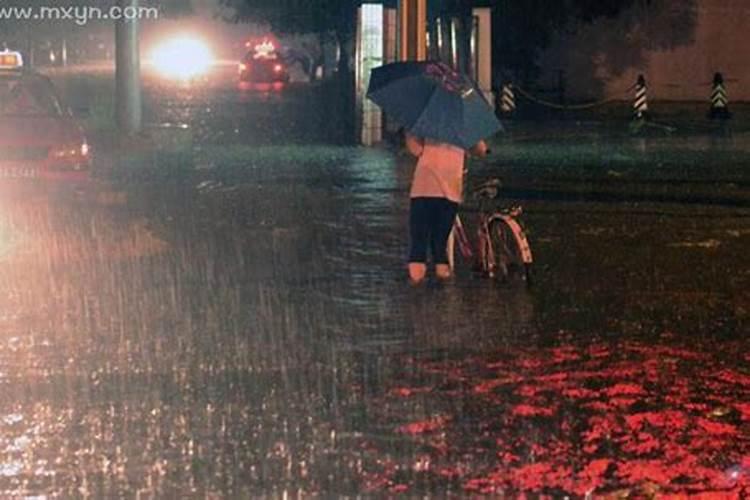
(507, 99)
(719, 100)
(128, 71)
(640, 105)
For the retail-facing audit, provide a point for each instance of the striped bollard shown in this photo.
(507, 99)
(640, 106)
(719, 100)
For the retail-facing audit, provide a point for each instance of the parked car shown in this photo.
(39, 136)
(262, 64)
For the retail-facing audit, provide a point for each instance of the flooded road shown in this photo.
(241, 325)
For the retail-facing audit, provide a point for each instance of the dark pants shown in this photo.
(430, 223)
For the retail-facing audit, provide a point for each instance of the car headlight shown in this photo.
(183, 58)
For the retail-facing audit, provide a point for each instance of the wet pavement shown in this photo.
(239, 325)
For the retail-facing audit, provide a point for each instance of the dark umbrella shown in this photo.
(432, 100)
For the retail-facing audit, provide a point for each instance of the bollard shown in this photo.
(719, 100)
(640, 106)
(507, 99)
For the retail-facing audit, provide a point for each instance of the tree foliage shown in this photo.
(297, 16)
(626, 29)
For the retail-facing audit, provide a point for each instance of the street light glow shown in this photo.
(182, 57)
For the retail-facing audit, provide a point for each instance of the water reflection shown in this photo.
(254, 336)
(282, 352)
(230, 359)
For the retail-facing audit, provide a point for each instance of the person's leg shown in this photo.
(419, 233)
(445, 215)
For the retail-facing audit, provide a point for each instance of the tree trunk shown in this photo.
(346, 92)
(346, 47)
(327, 60)
(29, 61)
(64, 52)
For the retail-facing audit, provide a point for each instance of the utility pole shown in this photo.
(128, 69)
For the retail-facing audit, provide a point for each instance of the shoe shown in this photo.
(443, 272)
(417, 272)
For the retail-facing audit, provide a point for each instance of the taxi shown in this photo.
(39, 136)
(262, 64)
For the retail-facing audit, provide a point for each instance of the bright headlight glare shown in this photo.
(183, 57)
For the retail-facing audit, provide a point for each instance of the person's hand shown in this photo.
(479, 149)
(414, 144)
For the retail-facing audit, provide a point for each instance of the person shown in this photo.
(436, 191)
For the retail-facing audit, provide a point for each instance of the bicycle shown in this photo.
(502, 249)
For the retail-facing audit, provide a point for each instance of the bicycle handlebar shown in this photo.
(488, 189)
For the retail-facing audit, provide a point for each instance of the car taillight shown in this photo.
(278, 68)
(72, 151)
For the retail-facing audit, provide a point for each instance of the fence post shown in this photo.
(507, 99)
(719, 100)
(640, 105)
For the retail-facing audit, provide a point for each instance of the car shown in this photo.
(262, 64)
(39, 136)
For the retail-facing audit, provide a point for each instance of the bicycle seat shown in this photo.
(488, 189)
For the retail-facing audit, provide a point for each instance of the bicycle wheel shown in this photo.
(508, 256)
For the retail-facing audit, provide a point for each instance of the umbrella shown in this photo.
(432, 100)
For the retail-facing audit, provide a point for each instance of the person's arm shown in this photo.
(479, 149)
(414, 145)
